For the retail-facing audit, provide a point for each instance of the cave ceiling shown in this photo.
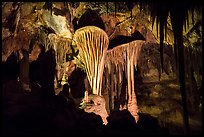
(35, 14)
(123, 19)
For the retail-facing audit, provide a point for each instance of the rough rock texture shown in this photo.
(29, 113)
(96, 104)
(90, 18)
(57, 23)
(121, 25)
(33, 28)
(110, 23)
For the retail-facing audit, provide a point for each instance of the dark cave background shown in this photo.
(43, 84)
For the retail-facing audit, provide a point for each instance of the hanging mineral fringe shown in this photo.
(92, 43)
(61, 46)
(107, 7)
(18, 16)
(115, 8)
(124, 58)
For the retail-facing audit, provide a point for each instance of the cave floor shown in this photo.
(159, 105)
(162, 100)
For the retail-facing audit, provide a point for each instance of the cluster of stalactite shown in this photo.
(150, 54)
(179, 13)
(62, 47)
(119, 78)
(193, 76)
(193, 66)
(92, 43)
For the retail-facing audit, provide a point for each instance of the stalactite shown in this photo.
(175, 44)
(115, 8)
(161, 43)
(161, 16)
(157, 24)
(50, 6)
(18, 15)
(187, 19)
(184, 26)
(107, 7)
(153, 20)
(116, 80)
(121, 82)
(177, 25)
(107, 89)
(112, 89)
(120, 73)
(137, 53)
(165, 26)
(128, 75)
(192, 12)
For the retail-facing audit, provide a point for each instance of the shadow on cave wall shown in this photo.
(10, 68)
(89, 18)
(123, 123)
(42, 71)
(78, 83)
(120, 39)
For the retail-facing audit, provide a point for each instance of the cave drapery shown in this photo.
(122, 61)
(62, 46)
(92, 43)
